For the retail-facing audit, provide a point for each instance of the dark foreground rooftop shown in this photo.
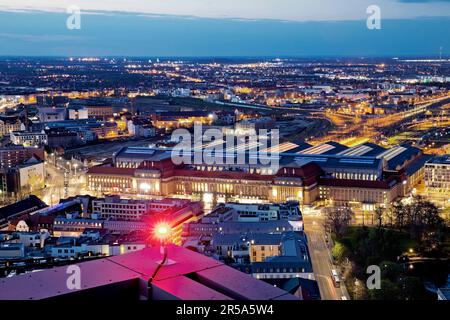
(190, 276)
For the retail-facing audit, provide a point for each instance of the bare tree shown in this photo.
(379, 212)
(399, 214)
(337, 219)
(423, 216)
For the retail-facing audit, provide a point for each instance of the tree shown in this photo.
(379, 211)
(339, 251)
(399, 213)
(390, 270)
(388, 291)
(337, 219)
(422, 216)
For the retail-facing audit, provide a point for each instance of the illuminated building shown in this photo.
(437, 179)
(77, 112)
(280, 255)
(28, 139)
(74, 227)
(99, 111)
(116, 208)
(141, 127)
(293, 261)
(51, 114)
(181, 119)
(14, 155)
(265, 212)
(106, 130)
(126, 215)
(260, 249)
(21, 169)
(363, 176)
(9, 124)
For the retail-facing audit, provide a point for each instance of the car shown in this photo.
(336, 281)
(335, 278)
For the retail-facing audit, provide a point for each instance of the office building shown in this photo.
(437, 179)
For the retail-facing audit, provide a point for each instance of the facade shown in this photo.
(63, 139)
(105, 130)
(30, 239)
(437, 179)
(9, 124)
(21, 169)
(125, 226)
(122, 209)
(181, 119)
(99, 111)
(74, 227)
(29, 139)
(282, 255)
(206, 228)
(265, 212)
(31, 175)
(126, 215)
(76, 250)
(12, 156)
(362, 177)
(77, 112)
(141, 127)
(47, 114)
(12, 250)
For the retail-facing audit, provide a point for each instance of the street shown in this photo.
(55, 190)
(321, 259)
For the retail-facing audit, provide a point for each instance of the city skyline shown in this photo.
(214, 150)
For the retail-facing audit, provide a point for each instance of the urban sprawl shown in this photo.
(362, 177)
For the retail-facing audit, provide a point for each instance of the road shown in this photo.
(321, 259)
(351, 127)
(55, 190)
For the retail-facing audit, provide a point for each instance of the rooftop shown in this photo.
(32, 203)
(445, 159)
(190, 276)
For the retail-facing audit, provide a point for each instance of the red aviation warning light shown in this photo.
(162, 231)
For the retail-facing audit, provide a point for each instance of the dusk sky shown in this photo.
(225, 28)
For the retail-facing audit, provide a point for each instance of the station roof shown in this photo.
(398, 157)
(366, 149)
(327, 148)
